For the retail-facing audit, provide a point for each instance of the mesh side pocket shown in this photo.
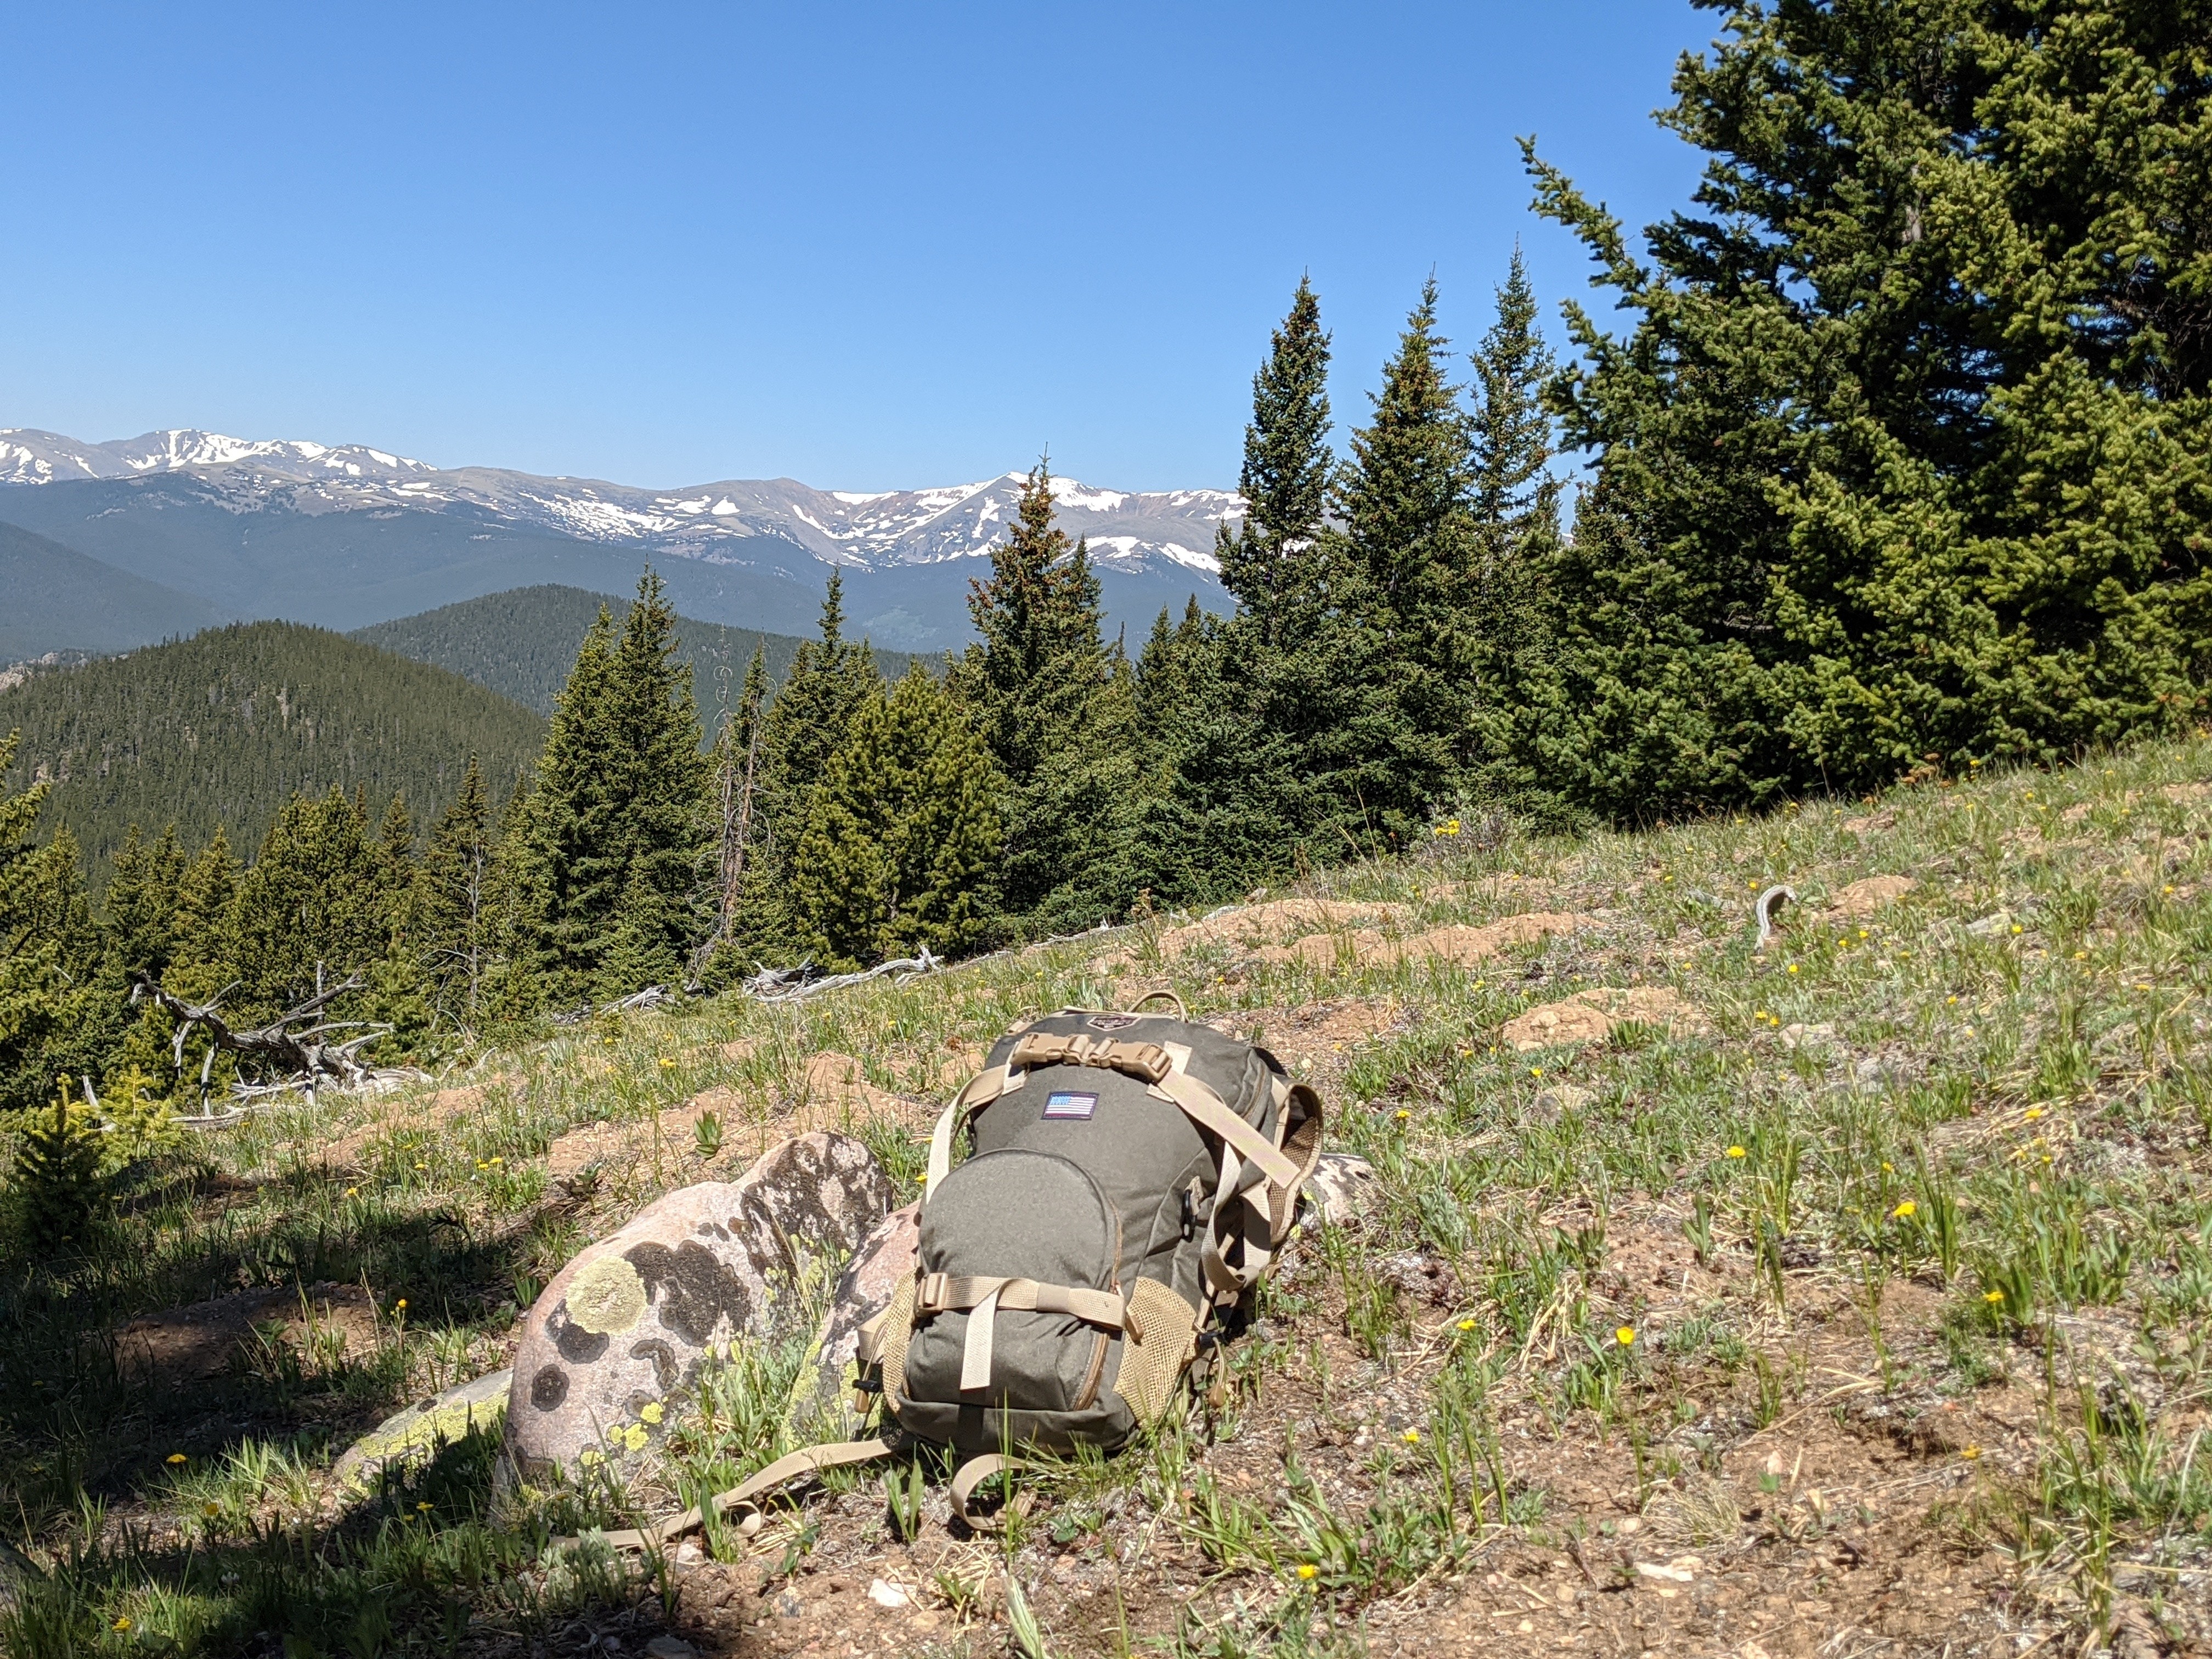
(898, 1329)
(1151, 1371)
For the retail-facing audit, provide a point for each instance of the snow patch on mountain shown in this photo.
(1129, 530)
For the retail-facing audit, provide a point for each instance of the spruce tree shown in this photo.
(1516, 506)
(141, 903)
(1902, 456)
(308, 911)
(1409, 552)
(830, 677)
(1047, 698)
(616, 828)
(662, 789)
(570, 875)
(901, 849)
(1268, 566)
(453, 937)
(205, 894)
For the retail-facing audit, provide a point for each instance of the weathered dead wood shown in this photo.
(306, 1054)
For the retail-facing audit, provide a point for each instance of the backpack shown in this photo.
(1131, 1177)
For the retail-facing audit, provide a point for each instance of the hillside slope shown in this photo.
(55, 598)
(219, 728)
(1708, 1298)
(523, 642)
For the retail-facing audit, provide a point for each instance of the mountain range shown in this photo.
(348, 536)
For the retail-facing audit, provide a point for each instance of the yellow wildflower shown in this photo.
(1536, 1071)
(1905, 1211)
(178, 1457)
(424, 1507)
(121, 1623)
(1993, 1296)
(1467, 1324)
(1737, 1152)
(1413, 1436)
(211, 1509)
(1308, 1571)
(2032, 1113)
(400, 1306)
(667, 1065)
(1970, 1453)
(1625, 1335)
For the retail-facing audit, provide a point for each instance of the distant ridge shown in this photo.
(522, 643)
(55, 598)
(220, 728)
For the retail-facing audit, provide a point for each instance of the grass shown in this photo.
(1944, 1158)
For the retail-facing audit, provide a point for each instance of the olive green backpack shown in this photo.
(1131, 1177)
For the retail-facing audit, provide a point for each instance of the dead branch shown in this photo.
(306, 1055)
(791, 985)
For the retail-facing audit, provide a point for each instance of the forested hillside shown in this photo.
(522, 643)
(220, 729)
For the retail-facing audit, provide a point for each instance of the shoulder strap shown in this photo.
(807, 1460)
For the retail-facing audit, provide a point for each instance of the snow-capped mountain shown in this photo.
(1128, 532)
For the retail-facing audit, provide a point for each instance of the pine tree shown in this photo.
(900, 850)
(1269, 565)
(205, 897)
(662, 789)
(616, 828)
(1903, 454)
(1409, 553)
(830, 677)
(1516, 507)
(57, 1187)
(143, 887)
(1047, 698)
(570, 876)
(453, 917)
(308, 909)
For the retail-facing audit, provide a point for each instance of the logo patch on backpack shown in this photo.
(1063, 1102)
(1111, 1022)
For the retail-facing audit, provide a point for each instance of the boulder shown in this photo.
(1589, 1017)
(617, 1340)
(1340, 1186)
(821, 1400)
(414, 1436)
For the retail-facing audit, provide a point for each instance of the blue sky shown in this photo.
(869, 247)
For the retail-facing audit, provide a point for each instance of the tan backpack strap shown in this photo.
(1209, 1111)
(951, 1293)
(973, 1474)
(809, 1459)
(980, 1091)
(1299, 1107)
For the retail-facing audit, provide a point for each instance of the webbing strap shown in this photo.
(981, 1090)
(1209, 1111)
(950, 1293)
(973, 1474)
(807, 1460)
(1148, 1062)
(975, 1352)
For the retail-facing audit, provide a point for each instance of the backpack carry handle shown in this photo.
(1181, 1008)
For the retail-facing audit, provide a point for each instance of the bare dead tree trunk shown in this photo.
(307, 1054)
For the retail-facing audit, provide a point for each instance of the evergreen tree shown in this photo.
(616, 828)
(1903, 454)
(1409, 552)
(570, 875)
(205, 897)
(1052, 708)
(143, 887)
(809, 721)
(395, 861)
(454, 929)
(900, 849)
(666, 849)
(1269, 566)
(1516, 506)
(308, 911)
(48, 949)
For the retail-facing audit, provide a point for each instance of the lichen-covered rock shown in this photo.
(612, 1348)
(821, 1399)
(1340, 1186)
(416, 1434)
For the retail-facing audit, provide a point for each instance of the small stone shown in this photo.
(670, 1647)
(1340, 1186)
(884, 1593)
(1996, 922)
(787, 1606)
(1801, 1036)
